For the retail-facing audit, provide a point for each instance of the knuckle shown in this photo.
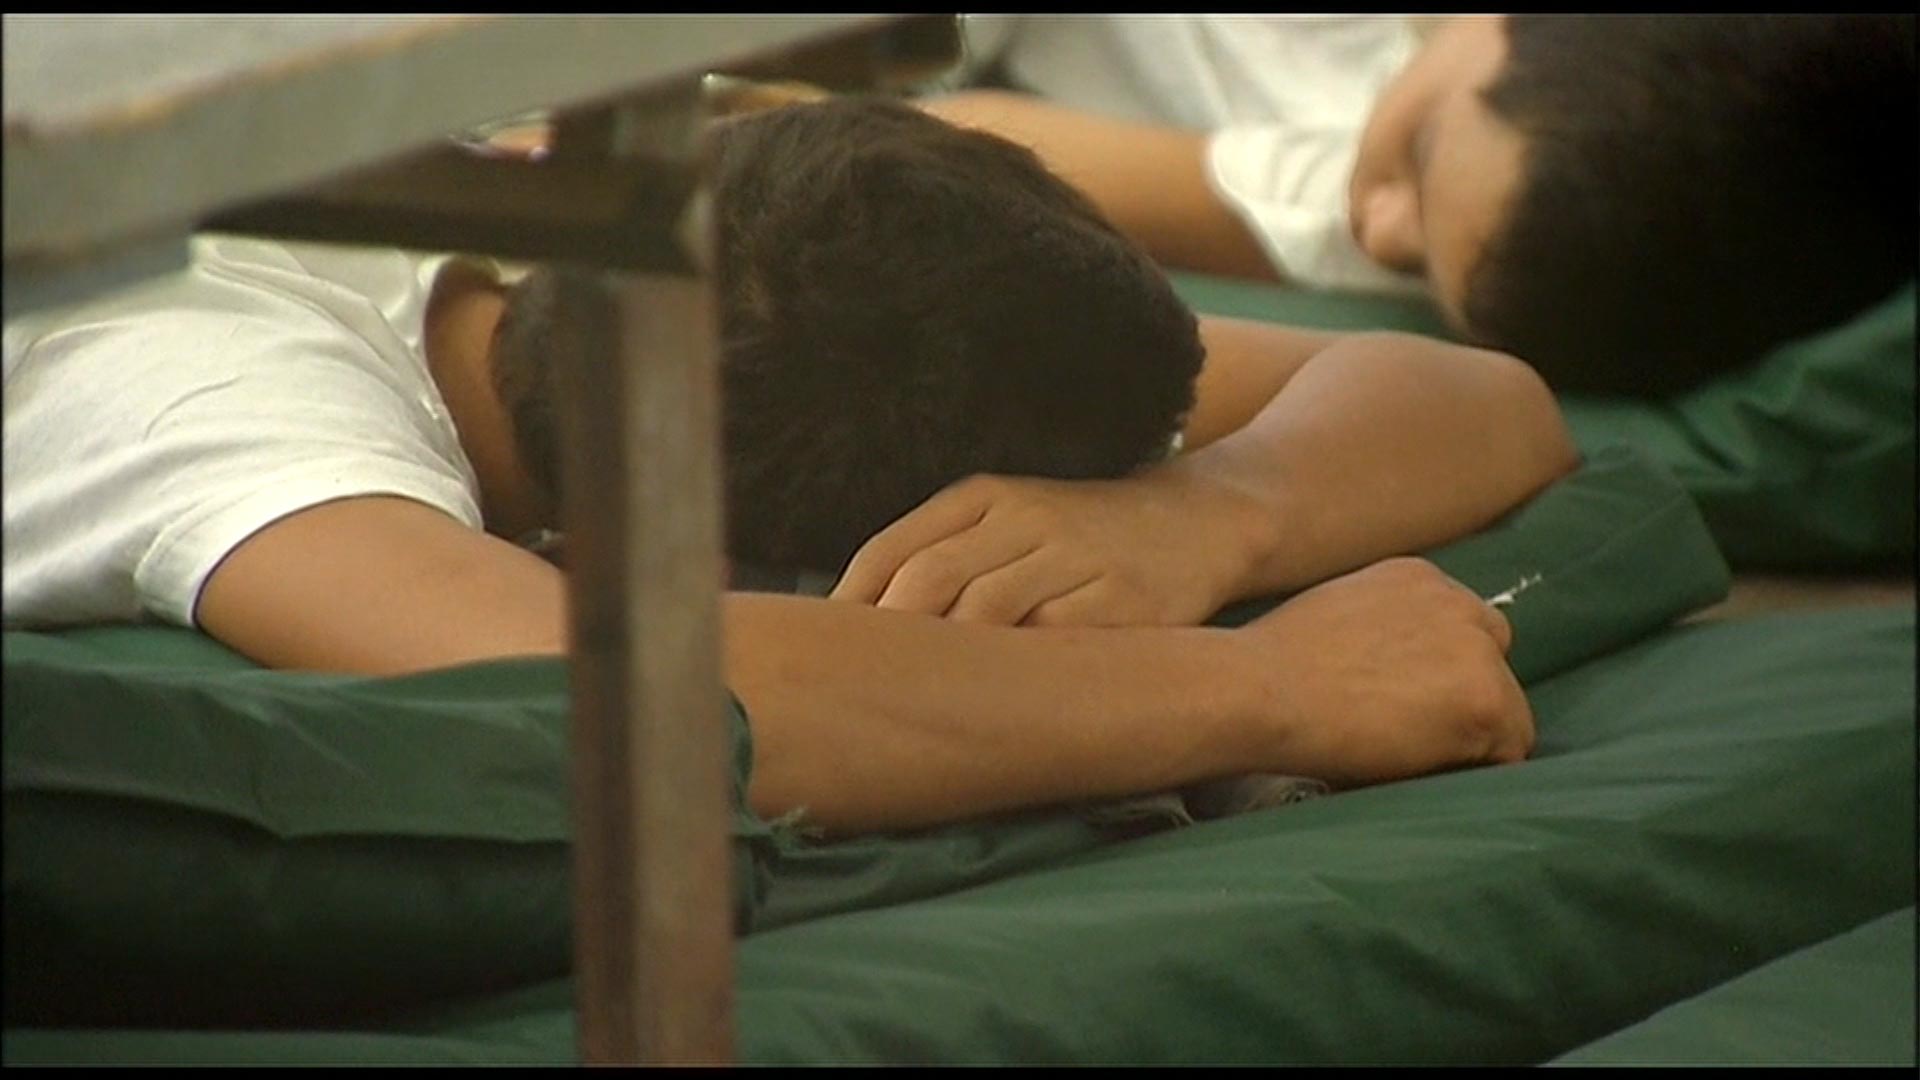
(1521, 747)
(986, 604)
(925, 579)
(1485, 701)
(1047, 614)
(1488, 715)
(985, 485)
(1074, 610)
(1412, 570)
(869, 566)
(1020, 519)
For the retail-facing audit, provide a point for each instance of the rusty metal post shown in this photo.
(653, 904)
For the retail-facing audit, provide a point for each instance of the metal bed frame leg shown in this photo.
(653, 910)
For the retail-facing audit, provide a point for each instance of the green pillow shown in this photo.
(184, 828)
(1600, 559)
(1804, 462)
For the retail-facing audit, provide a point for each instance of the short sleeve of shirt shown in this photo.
(1288, 184)
(143, 447)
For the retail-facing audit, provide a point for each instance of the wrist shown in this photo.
(1251, 523)
(1223, 707)
(1256, 710)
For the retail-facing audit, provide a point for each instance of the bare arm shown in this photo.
(1376, 445)
(381, 586)
(875, 719)
(1312, 454)
(869, 719)
(1150, 181)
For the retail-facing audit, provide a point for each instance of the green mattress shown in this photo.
(1805, 462)
(207, 862)
(1703, 804)
(1849, 999)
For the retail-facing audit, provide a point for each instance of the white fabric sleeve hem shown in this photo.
(170, 577)
(1288, 185)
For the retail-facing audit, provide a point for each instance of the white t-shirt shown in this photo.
(1284, 96)
(149, 432)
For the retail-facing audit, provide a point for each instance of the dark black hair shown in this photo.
(905, 303)
(549, 313)
(1696, 190)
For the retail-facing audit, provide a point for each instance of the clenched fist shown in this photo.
(1392, 671)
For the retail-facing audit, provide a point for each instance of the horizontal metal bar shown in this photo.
(626, 213)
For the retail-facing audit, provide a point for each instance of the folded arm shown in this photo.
(1379, 444)
(873, 719)
(1149, 180)
(869, 720)
(1310, 454)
